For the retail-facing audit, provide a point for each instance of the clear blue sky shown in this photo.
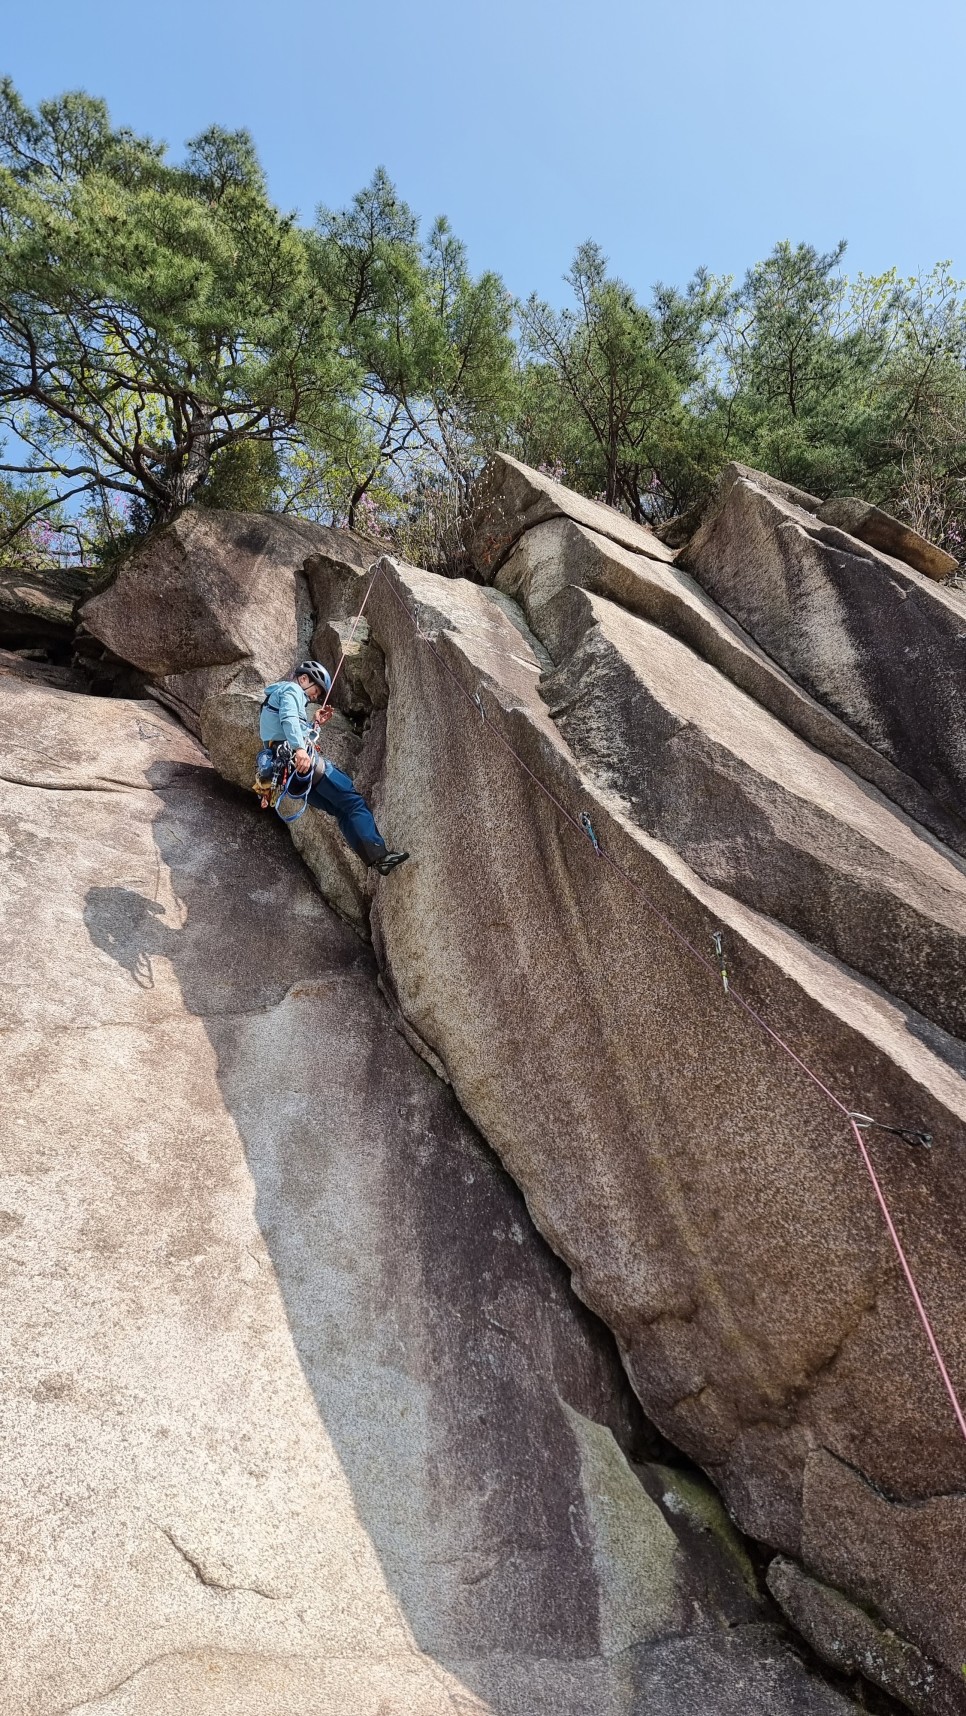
(676, 133)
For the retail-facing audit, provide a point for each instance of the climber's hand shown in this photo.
(323, 715)
(302, 761)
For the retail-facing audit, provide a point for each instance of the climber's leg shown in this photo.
(333, 792)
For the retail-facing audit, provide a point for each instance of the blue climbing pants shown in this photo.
(333, 792)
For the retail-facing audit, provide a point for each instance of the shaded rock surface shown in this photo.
(850, 1640)
(756, 811)
(18, 664)
(301, 1417)
(870, 524)
(707, 1197)
(746, 1364)
(37, 607)
(361, 685)
(878, 643)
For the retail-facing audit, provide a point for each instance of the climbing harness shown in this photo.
(276, 779)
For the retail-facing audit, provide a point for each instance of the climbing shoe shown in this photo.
(389, 861)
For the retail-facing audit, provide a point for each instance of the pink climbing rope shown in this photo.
(683, 940)
(910, 1279)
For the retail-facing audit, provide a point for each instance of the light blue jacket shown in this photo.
(286, 714)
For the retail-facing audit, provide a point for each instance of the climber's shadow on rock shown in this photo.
(131, 929)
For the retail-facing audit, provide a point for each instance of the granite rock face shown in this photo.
(756, 811)
(602, 764)
(882, 646)
(218, 601)
(511, 499)
(706, 1195)
(851, 1641)
(870, 524)
(37, 607)
(301, 1417)
(553, 556)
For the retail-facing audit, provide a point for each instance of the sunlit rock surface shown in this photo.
(301, 1417)
(218, 601)
(706, 1194)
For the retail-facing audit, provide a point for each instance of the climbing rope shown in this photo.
(375, 570)
(299, 795)
(584, 827)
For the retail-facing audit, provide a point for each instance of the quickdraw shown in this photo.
(717, 942)
(908, 1134)
(591, 833)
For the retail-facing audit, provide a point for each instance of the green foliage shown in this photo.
(152, 316)
(28, 517)
(432, 346)
(168, 336)
(852, 387)
(837, 386)
(243, 477)
(799, 370)
(917, 464)
(610, 388)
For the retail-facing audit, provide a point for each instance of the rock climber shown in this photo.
(285, 719)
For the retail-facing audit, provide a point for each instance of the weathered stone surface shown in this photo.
(774, 486)
(707, 1196)
(37, 607)
(361, 685)
(870, 524)
(334, 550)
(217, 601)
(300, 1416)
(757, 812)
(15, 665)
(439, 985)
(511, 498)
(674, 532)
(849, 1522)
(851, 1641)
(549, 558)
(879, 644)
(212, 589)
